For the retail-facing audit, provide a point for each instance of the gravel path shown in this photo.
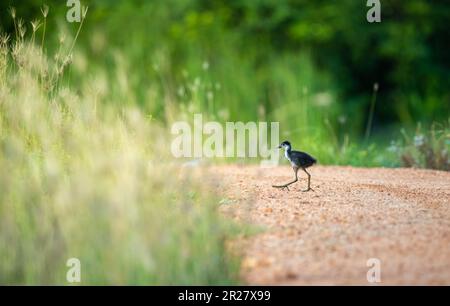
(399, 216)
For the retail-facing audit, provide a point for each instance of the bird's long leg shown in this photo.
(309, 181)
(290, 183)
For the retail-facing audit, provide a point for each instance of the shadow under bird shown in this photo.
(298, 160)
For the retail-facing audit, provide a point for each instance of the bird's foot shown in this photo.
(282, 187)
(309, 189)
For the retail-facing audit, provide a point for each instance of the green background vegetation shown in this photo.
(310, 65)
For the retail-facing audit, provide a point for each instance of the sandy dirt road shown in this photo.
(399, 216)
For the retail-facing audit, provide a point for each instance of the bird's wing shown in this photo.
(303, 156)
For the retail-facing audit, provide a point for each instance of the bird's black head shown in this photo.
(285, 145)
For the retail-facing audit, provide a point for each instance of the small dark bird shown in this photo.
(299, 160)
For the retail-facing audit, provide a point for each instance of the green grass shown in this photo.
(180, 58)
(86, 177)
(426, 148)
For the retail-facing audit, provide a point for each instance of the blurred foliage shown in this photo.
(406, 53)
(426, 148)
(309, 65)
(79, 178)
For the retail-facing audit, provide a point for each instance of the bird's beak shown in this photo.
(279, 147)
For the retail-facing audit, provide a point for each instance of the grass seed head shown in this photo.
(44, 10)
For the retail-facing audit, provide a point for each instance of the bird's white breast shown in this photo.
(287, 156)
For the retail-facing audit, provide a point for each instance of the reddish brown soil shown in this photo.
(400, 216)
